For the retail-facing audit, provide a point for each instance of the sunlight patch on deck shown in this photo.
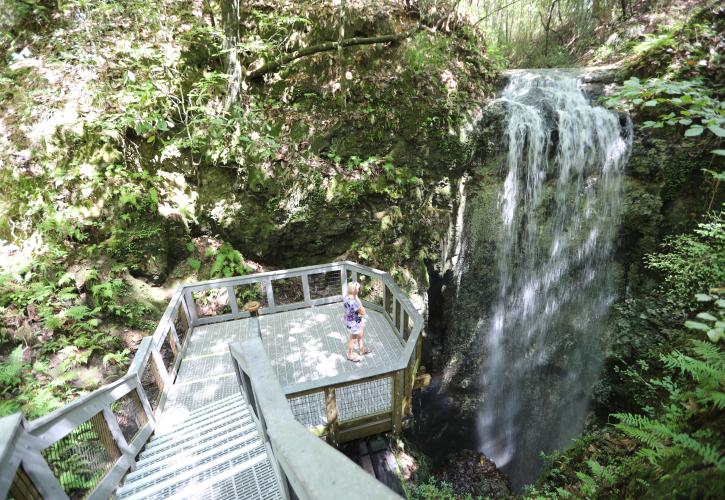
(302, 345)
(310, 344)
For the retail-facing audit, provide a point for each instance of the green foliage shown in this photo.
(681, 50)
(121, 358)
(691, 260)
(10, 369)
(711, 322)
(686, 103)
(433, 490)
(427, 53)
(228, 262)
(669, 439)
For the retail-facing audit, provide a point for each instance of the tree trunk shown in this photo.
(341, 55)
(230, 24)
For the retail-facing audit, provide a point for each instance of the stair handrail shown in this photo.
(304, 464)
(22, 453)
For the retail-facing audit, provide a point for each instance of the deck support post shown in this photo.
(331, 412)
(398, 391)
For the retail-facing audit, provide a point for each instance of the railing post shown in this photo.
(232, 300)
(306, 288)
(175, 343)
(343, 280)
(190, 307)
(115, 429)
(38, 470)
(331, 413)
(270, 292)
(145, 403)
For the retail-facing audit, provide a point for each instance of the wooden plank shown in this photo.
(185, 307)
(11, 428)
(63, 421)
(261, 277)
(367, 419)
(326, 300)
(364, 431)
(105, 488)
(116, 433)
(144, 401)
(221, 318)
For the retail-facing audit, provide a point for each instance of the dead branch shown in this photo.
(327, 46)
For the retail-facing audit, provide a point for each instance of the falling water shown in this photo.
(559, 209)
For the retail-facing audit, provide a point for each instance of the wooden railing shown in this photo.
(107, 428)
(299, 288)
(84, 449)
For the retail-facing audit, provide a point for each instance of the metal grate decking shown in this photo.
(205, 445)
(302, 345)
(310, 344)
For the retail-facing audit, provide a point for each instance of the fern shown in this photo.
(668, 438)
(718, 399)
(706, 451)
(8, 407)
(697, 369)
(10, 369)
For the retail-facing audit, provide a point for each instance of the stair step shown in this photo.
(256, 480)
(192, 441)
(194, 431)
(187, 423)
(166, 482)
(190, 456)
(198, 444)
(216, 405)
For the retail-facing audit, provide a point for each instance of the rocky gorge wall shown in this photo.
(662, 194)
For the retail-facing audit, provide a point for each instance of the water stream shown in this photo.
(559, 209)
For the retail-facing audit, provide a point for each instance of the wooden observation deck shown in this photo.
(225, 403)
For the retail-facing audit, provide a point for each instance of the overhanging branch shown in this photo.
(327, 46)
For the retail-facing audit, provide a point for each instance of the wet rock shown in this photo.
(471, 473)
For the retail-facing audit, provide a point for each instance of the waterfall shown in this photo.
(559, 211)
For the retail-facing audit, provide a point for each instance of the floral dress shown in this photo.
(353, 321)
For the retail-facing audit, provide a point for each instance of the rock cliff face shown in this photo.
(660, 195)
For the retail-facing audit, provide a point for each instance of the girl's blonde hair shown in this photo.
(353, 287)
